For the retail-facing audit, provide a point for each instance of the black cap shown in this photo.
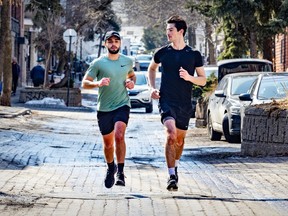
(111, 34)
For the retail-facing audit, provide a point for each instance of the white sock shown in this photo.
(176, 163)
(171, 171)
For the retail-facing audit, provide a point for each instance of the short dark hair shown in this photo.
(179, 23)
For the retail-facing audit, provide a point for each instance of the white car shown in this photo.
(223, 109)
(142, 62)
(140, 95)
(267, 87)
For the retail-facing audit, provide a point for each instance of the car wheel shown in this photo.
(213, 135)
(149, 109)
(229, 138)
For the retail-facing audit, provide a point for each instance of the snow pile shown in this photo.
(48, 101)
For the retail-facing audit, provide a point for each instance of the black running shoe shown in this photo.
(110, 179)
(120, 179)
(172, 183)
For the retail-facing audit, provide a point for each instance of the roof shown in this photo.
(248, 73)
(227, 61)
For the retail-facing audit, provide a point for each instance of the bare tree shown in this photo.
(92, 15)
(47, 16)
(7, 46)
(155, 12)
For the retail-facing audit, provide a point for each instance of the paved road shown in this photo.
(51, 163)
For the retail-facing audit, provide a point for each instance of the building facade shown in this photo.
(17, 37)
(281, 52)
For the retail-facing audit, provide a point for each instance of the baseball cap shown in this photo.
(111, 34)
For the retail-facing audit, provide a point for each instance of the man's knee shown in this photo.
(119, 137)
(171, 138)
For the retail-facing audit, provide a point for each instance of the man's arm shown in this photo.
(152, 70)
(201, 77)
(131, 79)
(199, 80)
(89, 83)
(132, 76)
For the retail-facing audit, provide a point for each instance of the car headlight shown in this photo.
(235, 110)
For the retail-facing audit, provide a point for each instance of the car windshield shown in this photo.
(241, 84)
(273, 87)
(144, 66)
(144, 57)
(141, 79)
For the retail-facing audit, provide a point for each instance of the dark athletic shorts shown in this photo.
(107, 120)
(180, 113)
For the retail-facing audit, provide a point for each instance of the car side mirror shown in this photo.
(245, 97)
(219, 93)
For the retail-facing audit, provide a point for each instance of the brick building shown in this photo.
(281, 52)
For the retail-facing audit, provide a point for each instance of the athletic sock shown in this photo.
(176, 163)
(111, 165)
(171, 171)
(120, 167)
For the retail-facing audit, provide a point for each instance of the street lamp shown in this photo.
(69, 36)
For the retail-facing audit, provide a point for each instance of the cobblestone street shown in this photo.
(51, 163)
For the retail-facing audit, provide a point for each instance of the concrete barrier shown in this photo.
(34, 93)
(264, 132)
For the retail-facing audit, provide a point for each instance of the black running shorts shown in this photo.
(180, 113)
(107, 120)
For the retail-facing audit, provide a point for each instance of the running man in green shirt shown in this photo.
(112, 74)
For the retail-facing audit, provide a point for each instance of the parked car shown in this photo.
(140, 95)
(240, 65)
(223, 111)
(266, 88)
(142, 62)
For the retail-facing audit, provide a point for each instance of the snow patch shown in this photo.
(47, 101)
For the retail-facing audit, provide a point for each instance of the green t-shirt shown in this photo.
(115, 95)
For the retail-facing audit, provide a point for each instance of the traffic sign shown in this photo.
(70, 36)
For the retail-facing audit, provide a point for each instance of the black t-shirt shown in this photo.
(173, 88)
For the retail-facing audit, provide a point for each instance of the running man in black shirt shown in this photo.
(179, 62)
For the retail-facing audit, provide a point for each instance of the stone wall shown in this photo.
(34, 93)
(264, 132)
